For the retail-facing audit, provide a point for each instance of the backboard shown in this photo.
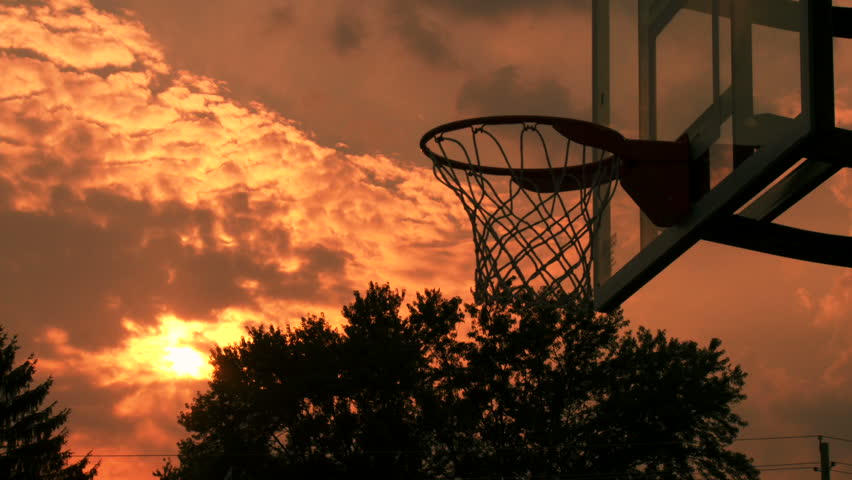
(728, 109)
(749, 82)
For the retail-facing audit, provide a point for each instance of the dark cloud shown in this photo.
(24, 53)
(827, 410)
(497, 8)
(48, 167)
(326, 260)
(320, 278)
(281, 16)
(95, 411)
(7, 193)
(32, 123)
(347, 34)
(504, 92)
(35, 3)
(424, 40)
(101, 256)
(89, 409)
(111, 6)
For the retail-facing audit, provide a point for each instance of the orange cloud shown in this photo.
(172, 349)
(154, 138)
(836, 305)
(152, 216)
(73, 34)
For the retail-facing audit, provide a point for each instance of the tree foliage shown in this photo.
(32, 437)
(538, 390)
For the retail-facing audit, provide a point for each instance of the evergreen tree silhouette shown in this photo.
(32, 437)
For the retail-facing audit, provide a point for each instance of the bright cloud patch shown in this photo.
(149, 217)
(172, 349)
(186, 361)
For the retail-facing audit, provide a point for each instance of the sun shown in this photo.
(186, 362)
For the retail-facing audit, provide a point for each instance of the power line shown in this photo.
(118, 455)
(785, 469)
(749, 439)
(592, 445)
(777, 467)
(611, 475)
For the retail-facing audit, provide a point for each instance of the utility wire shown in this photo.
(595, 445)
(610, 475)
(119, 455)
(785, 469)
(749, 439)
(838, 438)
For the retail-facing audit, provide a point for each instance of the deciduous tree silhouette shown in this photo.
(541, 390)
(32, 437)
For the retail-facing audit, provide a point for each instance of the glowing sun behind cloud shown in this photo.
(171, 349)
(187, 362)
(175, 347)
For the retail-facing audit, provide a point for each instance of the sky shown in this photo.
(171, 172)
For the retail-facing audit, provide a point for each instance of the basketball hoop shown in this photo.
(534, 225)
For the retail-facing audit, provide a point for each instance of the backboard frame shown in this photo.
(814, 139)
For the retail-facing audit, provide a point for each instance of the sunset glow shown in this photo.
(174, 172)
(187, 362)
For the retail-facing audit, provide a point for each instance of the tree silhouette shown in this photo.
(32, 437)
(542, 389)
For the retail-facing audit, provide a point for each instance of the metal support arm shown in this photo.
(781, 240)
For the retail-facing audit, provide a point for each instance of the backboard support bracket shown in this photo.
(755, 174)
(841, 22)
(782, 240)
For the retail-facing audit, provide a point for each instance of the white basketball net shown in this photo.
(526, 238)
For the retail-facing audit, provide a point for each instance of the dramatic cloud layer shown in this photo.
(148, 216)
(151, 210)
